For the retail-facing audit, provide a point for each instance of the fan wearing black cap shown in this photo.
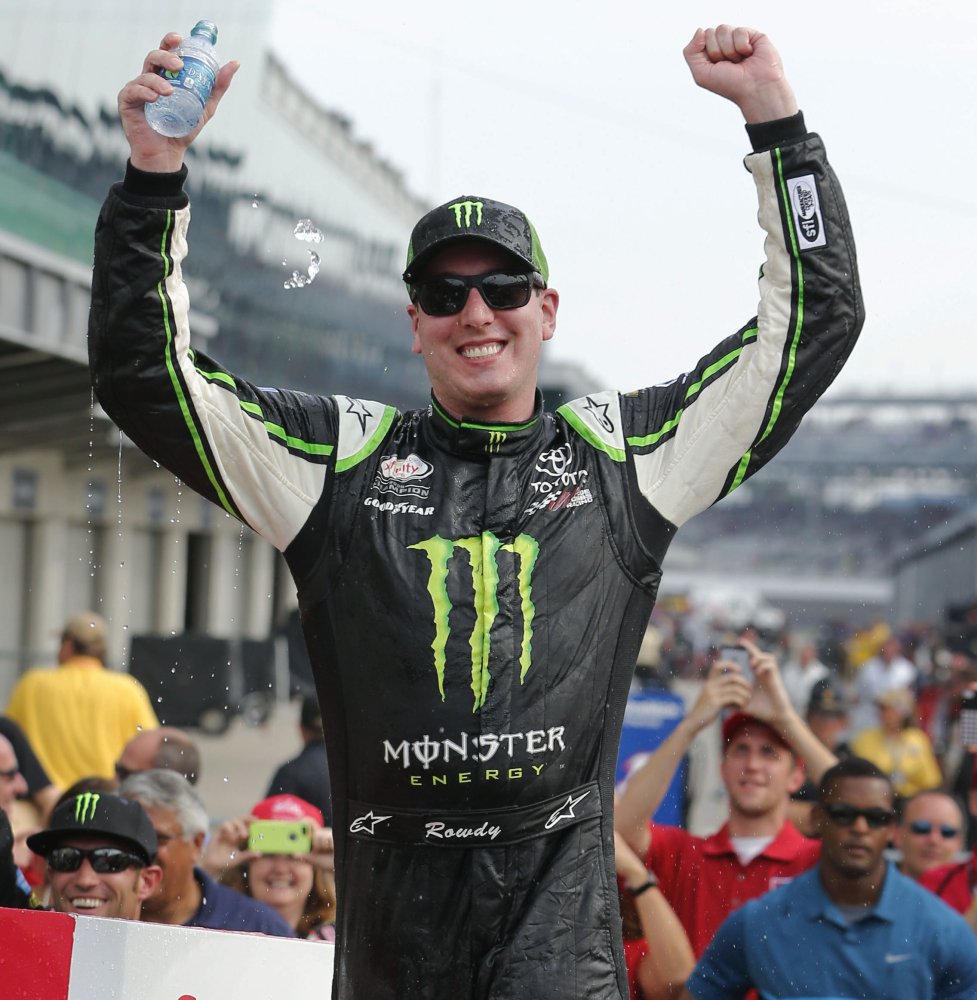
(100, 852)
(475, 576)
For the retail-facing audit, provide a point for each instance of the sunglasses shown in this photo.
(447, 294)
(924, 826)
(104, 860)
(842, 814)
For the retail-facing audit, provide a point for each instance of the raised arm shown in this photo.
(724, 687)
(670, 958)
(263, 455)
(771, 703)
(696, 438)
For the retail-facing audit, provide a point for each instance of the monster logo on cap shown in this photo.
(85, 806)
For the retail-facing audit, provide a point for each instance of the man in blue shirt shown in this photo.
(853, 928)
(187, 896)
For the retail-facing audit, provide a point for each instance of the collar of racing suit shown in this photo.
(470, 439)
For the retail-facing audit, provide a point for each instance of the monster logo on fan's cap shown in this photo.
(473, 218)
(93, 814)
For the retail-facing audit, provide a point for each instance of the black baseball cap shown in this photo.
(472, 218)
(827, 698)
(96, 814)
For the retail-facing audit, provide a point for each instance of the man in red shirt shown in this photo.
(956, 884)
(758, 848)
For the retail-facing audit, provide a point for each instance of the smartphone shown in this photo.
(739, 656)
(968, 718)
(280, 836)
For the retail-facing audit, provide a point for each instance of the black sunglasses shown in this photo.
(843, 814)
(924, 826)
(104, 860)
(446, 294)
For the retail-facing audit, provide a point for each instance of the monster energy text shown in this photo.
(482, 748)
(483, 556)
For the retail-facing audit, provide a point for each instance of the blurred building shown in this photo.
(85, 519)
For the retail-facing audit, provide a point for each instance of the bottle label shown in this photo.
(196, 76)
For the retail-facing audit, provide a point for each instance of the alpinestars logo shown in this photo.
(367, 823)
(358, 409)
(600, 414)
(808, 221)
(463, 211)
(403, 476)
(565, 811)
(85, 806)
(483, 556)
(558, 485)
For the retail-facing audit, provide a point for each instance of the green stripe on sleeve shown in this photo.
(344, 464)
(778, 401)
(175, 381)
(277, 431)
(615, 454)
(693, 390)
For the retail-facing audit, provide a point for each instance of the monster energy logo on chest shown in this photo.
(85, 806)
(465, 209)
(483, 553)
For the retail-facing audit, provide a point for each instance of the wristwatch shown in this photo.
(650, 884)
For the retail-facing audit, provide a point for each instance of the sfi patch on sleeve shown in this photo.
(806, 208)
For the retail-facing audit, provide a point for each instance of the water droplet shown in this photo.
(307, 231)
(299, 280)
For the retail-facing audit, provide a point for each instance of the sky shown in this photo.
(586, 116)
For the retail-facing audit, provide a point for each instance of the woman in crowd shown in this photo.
(301, 887)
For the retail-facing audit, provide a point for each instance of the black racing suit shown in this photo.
(473, 596)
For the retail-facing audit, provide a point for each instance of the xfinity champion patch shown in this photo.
(806, 208)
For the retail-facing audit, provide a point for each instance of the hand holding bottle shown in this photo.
(149, 150)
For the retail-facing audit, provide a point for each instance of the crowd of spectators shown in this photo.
(123, 832)
(817, 845)
(847, 785)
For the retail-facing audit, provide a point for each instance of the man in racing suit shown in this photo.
(475, 578)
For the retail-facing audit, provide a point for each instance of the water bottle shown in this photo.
(178, 114)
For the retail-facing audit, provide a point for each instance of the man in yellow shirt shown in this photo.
(79, 716)
(901, 750)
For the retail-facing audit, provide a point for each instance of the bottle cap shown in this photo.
(206, 28)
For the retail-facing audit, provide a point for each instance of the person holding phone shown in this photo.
(282, 855)
(186, 895)
(766, 747)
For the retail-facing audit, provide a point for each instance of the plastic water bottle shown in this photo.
(178, 114)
